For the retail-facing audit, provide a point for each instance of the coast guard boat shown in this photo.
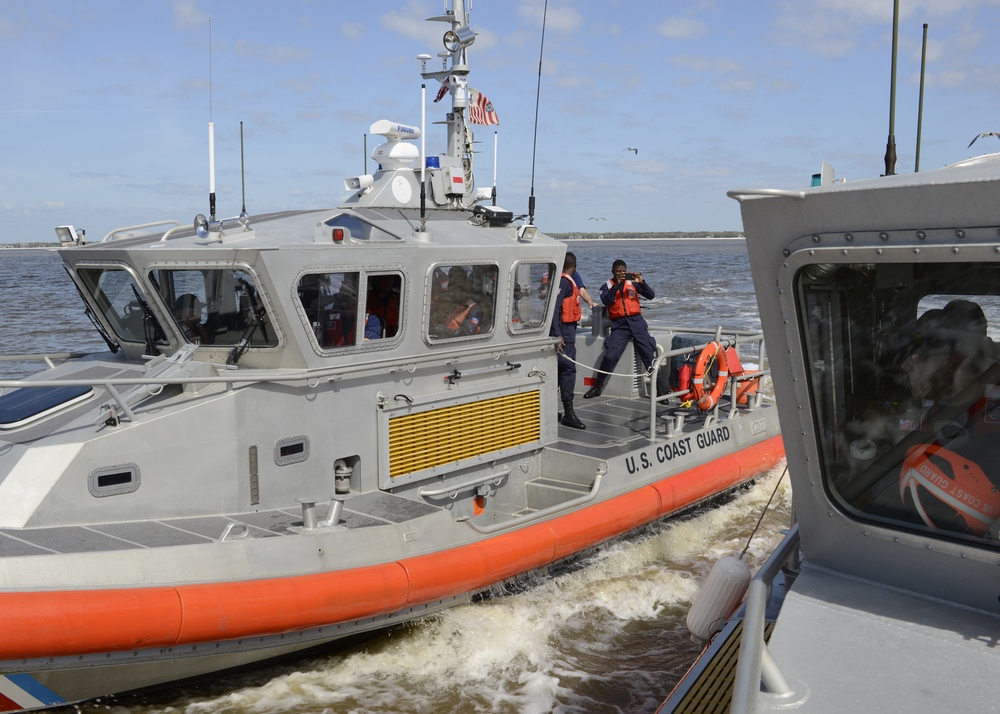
(299, 433)
(880, 301)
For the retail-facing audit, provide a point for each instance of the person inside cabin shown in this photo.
(341, 316)
(187, 310)
(621, 295)
(383, 302)
(457, 314)
(564, 322)
(949, 475)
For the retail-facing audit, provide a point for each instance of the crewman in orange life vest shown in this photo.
(567, 314)
(464, 316)
(621, 296)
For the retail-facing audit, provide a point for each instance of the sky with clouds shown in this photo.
(104, 104)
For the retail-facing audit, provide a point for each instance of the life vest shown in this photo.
(626, 302)
(571, 310)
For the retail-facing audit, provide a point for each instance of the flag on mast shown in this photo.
(481, 109)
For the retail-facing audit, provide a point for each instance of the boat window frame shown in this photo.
(231, 265)
(364, 273)
(165, 321)
(860, 474)
(432, 301)
(512, 299)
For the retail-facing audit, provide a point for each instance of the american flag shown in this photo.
(445, 85)
(481, 109)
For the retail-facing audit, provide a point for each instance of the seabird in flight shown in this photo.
(988, 133)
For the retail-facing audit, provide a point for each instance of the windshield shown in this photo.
(119, 300)
(216, 306)
(904, 379)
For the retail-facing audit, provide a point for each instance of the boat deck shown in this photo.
(617, 425)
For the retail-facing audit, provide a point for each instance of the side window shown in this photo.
(330, 301)
(385, 294)
(531, 293)
(119, 300)
(463, 300)
(216, 306)
(906, 385)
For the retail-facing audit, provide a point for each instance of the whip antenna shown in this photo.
(211, 130)
(534, 141)
(243, 179)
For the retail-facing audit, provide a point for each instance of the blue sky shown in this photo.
(104, 104)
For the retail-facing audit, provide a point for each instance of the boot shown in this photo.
(596, 390)
(570, 419)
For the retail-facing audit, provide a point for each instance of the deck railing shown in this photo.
(755, 664)
(726, 339)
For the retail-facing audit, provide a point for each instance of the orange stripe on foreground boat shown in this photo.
(71, 622)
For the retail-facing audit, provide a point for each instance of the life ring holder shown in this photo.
(707, 399)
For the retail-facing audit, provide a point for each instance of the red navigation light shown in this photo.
(338, 235)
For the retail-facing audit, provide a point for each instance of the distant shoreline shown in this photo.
(676, 238)
(665, 235)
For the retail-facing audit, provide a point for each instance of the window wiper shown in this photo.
(89, 312)
(151, 329)
(244, 342)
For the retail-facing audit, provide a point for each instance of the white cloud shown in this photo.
(682, 28)
(187, 15)
(564, 20)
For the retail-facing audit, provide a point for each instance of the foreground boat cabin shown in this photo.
(883, 328)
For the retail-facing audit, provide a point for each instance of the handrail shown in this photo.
(738, 338)
(453, 490)
(141, 226)
(233, 376)
(740, 194)
(229, 376)
(754, 659)
(544, 512)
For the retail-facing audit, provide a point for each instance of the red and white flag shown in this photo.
(481, 109)
(445, 86)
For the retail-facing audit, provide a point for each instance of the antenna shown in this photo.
(423, 155)
(243, 183)
(920, 104)
(211, 131)
(890, 145)
(494, 167)
(534, 141)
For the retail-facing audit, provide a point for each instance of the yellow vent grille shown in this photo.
(443, 436)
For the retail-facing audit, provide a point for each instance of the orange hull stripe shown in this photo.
(68, 622)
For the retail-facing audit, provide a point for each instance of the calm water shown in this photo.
(605, 634)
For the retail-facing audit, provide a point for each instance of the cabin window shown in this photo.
(905, 381)
(529, 301)
(330, 303)
(384, 300)
(216, 306)
(463, 301)
(122, 304)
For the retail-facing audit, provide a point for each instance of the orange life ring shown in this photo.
(704, 397)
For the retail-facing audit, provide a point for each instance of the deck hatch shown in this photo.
(24, 406)
(449, 434)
